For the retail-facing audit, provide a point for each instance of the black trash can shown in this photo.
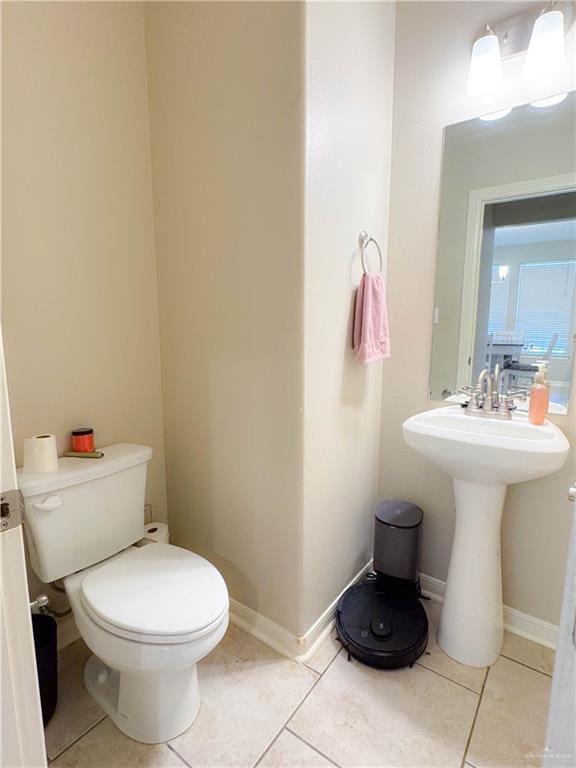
(398, 540)
(44, 628)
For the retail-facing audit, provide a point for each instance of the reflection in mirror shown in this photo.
(526, 299)
(506, 271)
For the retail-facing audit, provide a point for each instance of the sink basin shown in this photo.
(484, 450)
(483, 456)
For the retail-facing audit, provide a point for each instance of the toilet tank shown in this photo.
(86, 510)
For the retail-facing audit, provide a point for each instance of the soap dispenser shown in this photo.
(539, 394)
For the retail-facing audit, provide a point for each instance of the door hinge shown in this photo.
(11, 509)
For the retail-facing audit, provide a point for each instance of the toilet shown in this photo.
(148, 613)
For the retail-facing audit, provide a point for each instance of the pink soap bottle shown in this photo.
(539, 395)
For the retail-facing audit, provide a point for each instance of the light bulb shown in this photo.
(485, 75)
(503, 271)
(546, 56)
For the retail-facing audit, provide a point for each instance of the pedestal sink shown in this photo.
(483, 456)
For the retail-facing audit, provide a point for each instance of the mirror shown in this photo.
(506, 269)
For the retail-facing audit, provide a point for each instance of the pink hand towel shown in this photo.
(371, 336)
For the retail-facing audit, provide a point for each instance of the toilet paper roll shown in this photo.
(40, 454)
(157, 532)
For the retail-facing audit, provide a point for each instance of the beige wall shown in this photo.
(231, 175)
(79, 315)
(227, 122)
(432, 54)
(270, 151)
(349, 81)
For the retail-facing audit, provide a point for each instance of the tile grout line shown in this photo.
(268, 748)
(449, 679)
(475, 718)
(319, 676)
(85, 733)
(307, 663)
(285, 724)
(175, 751)
(308, 744)
(527, 666)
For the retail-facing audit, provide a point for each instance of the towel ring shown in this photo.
(364, 241)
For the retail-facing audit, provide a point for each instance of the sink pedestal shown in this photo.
(471, 626)
(483, 456)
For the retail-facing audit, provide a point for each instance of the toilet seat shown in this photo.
(156, 594)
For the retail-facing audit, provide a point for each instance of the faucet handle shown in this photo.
(507, 403)
(476, 398)
(518, 394)
(472, 392)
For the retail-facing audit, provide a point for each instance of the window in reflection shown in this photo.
(532, 313)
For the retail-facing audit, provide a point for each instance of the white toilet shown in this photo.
(149, 614)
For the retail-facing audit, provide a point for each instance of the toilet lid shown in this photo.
(158, 589)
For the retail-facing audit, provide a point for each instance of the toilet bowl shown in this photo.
(135, 614)
(149, 613)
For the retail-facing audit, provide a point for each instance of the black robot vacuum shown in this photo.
(381, 621)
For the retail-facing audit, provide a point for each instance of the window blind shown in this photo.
(545, 306)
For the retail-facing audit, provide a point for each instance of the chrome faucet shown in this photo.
(497, 389)
(486, 398)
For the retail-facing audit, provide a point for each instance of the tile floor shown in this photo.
(261, 709)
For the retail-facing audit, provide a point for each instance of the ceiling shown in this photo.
(542, 232)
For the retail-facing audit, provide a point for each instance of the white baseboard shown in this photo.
(264, 629)
(518, 623)
(282, 640)
(537, 630)
(274, 635)
(303, 648)
(432, 588)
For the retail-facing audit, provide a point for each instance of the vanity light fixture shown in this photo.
(546, 55)
(537, 32)
(485, 75)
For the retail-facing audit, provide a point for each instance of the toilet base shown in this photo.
(150, 707)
